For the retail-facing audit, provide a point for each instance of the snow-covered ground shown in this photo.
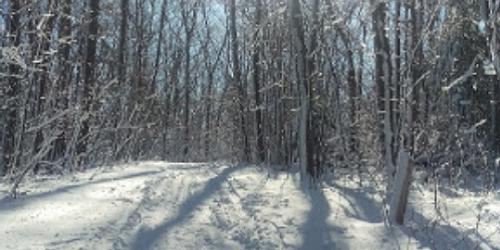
(157, 205)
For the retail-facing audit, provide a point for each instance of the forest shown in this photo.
(398, 96)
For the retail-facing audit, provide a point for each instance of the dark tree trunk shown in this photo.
(237, 80)
(12, 92)
(261, 154)
(62, 88)
(122, 76)
(382, 81)
(417, 57)
(313, 139)
(43, 76)
(122, 46)
(301, 68)
(396, 80)
(352, 91)
(88, 78)
(189, 19)
(160, 41)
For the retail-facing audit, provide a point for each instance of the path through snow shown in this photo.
(157, 205)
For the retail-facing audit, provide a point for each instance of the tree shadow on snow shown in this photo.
(8, 203)
(362, 207)
(189, 167)
(440, 235)
(317, 233)
(147, 237)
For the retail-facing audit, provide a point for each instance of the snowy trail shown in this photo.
(156, 205)
(72, 212)
(147, 237)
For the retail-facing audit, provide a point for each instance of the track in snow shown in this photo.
(156, 205)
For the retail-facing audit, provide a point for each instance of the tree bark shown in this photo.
(382, 80)
(261, 154)
(417, 57)
(88, 78)
(300, 53)
(189, 25)
(402, 183)
(396, 82)
(62, 90)
(237, 80)
(122, 46)
(163, 16)
(12, 92)
(43, 77)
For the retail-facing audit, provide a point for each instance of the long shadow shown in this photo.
(439, 236)
(146, 238)
(362, 205)
(8, 203)
(189, 167)
(317, 234)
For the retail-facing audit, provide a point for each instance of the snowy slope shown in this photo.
(156, 205)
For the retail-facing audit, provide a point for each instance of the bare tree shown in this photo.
(189, 19)
(256, 80)
(238, 83)
(62, 83)
(300, 60)
(12, 92)
(89, 77)
(382, 80)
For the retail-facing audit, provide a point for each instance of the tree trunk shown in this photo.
(352, 91)
(12, 92)
(122, 46)
(401, 187)
(261, 154)
(396, 80)
(300, 53)
(189, 25)
(312, 76)
(382, 80)
(62, 89)
(159, 44)
(399, 198)
(43, 76)
(88, 78)
(237, 80)
(417, 57)
(122, 77)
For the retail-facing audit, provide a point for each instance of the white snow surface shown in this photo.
(159, 205)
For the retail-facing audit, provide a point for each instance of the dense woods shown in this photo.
(396, 86)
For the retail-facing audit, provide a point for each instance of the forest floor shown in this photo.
(157, 205)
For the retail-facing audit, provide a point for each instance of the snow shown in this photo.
(481, 25)
(158, 205)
